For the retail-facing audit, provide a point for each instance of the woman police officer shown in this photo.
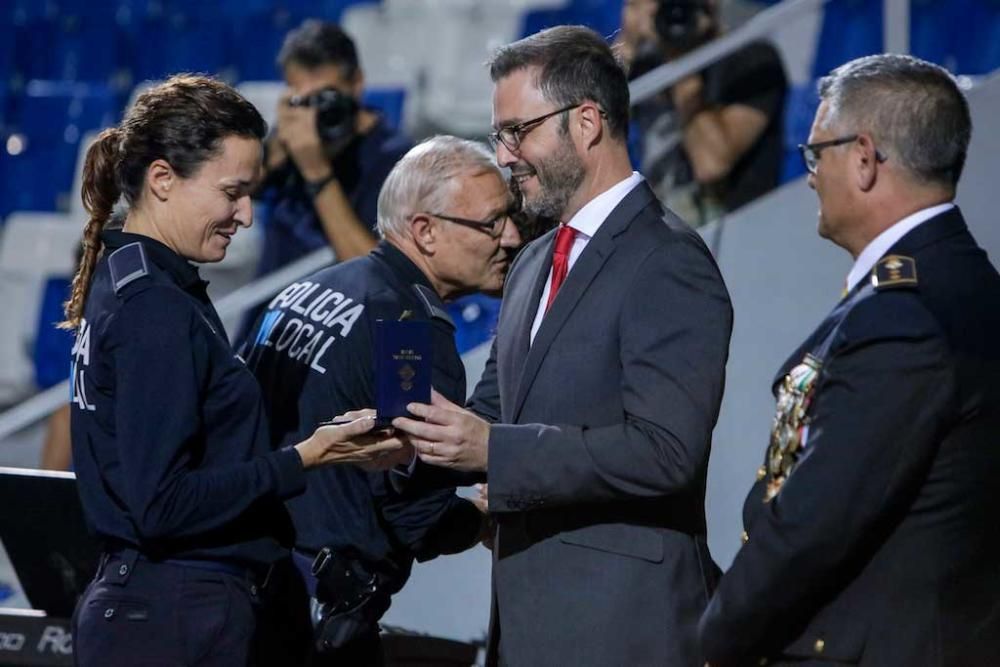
(170, 439)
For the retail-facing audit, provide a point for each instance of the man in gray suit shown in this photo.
(595, 413)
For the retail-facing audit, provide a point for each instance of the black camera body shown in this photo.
(335, 115)
(677, 23)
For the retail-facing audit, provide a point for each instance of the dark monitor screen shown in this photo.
(46, 537)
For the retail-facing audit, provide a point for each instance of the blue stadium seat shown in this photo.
(4, 109)
(971, 47)
(51, 118)
(635, 145)
(927, 40)
(257, 38)
(34, 179)
(239, 8)
(8, 39)
(800, 108)
(52, 347)
(851, 28)
(88, 47)
(65, 110)
(331, 10)
(104, 8)
(601, 15)
(978, 48)
(475, 318)
(389, 101)
(24, 11)
(138, 10)
(179, 42)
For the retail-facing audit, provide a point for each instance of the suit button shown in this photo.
(744, 537)
(123, 570)
(109, 612)
(761, 473)
(819, 645)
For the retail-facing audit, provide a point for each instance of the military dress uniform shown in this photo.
(312, 349)
(870, 533)
(175, 469)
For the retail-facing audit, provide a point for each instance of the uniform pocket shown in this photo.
(116, 610)
(114, 631)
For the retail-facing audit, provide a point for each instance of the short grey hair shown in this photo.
(913, 109)
(424, 179)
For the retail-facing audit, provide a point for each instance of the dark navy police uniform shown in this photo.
(312, 351)
(175, 469)
(870, 536)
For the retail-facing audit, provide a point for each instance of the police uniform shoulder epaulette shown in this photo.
(432, 303)
(127, 264)
(894, 271)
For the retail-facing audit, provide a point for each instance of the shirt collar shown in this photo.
(402, 265)
(888, 238)
(588, 219)
(180, 270)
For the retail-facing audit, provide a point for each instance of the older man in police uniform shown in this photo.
(871, 532)
(444, 215)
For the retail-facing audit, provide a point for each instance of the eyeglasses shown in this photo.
(810, 152)
(494, 226)
(511, 136)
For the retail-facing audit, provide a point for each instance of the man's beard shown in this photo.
(559, 176)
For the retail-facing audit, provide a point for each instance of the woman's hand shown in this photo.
(353, 442)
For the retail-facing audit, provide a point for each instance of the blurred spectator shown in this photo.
(712, 142)
(327, 157)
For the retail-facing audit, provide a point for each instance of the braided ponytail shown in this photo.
(100, 192)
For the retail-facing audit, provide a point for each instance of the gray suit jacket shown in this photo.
(599, 449)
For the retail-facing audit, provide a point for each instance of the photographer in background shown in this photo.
(328, 156)
(712, 142)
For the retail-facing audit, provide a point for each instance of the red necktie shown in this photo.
(560, 261)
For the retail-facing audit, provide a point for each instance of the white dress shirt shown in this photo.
(881, 243)
(586, 222)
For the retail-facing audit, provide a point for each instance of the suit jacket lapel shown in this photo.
(521, 290)
(537, 271)
(583, 273)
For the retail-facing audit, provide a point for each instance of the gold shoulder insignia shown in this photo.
(894, 271)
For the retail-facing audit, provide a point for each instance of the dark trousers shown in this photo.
(142, 614)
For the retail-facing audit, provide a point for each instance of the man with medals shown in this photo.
(870, 535)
